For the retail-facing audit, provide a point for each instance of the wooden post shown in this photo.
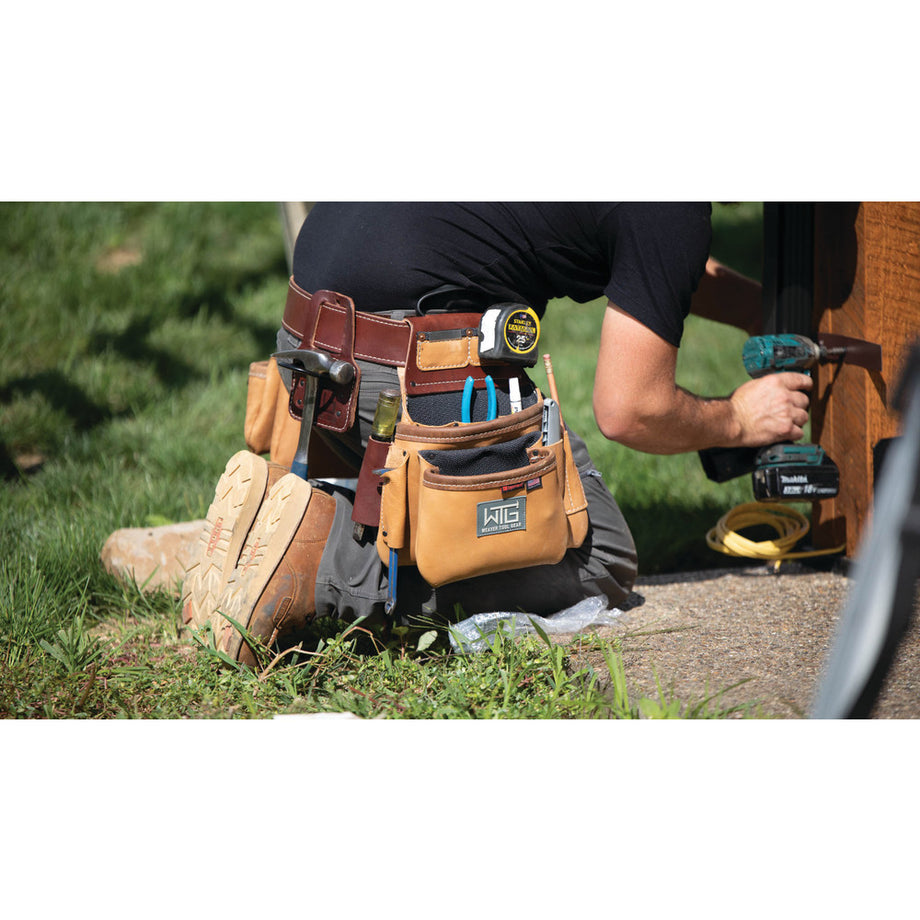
(867, 285)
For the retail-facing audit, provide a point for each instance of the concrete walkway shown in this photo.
(704, 631)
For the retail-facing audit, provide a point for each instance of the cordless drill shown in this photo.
(767, 354)
(784, 471)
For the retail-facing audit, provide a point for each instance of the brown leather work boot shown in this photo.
(272, 591)
(238, 496)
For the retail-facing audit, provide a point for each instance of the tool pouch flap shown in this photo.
(464, 500)
(443, 352)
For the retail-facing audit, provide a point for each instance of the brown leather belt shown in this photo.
(329, 321)
(319, 321)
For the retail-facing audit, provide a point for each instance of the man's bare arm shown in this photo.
(637, 401)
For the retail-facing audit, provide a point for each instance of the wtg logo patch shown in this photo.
(501, 516)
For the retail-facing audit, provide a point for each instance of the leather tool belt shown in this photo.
(433, 348)
(456, 499)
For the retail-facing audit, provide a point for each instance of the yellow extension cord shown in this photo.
(790, 526)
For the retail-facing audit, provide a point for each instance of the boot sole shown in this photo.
(275, 527)
(237, 498)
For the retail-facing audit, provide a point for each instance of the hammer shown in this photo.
(314, 364)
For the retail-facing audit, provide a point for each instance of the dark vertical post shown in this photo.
(788, 266)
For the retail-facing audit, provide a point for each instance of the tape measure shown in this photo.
(509, 332)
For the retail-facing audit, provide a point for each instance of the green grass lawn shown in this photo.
(126, 332)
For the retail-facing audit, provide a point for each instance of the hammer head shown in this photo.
(316, 364)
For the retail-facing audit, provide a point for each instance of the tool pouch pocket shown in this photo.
(268, 428)
(475, 525)
(366, 508)
(464, 500)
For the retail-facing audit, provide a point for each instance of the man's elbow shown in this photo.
(621, 425)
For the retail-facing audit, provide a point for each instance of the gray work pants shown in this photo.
(352, 581)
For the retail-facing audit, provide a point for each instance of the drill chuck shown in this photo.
(767, 354)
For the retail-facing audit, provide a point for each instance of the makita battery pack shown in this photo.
(794, 472)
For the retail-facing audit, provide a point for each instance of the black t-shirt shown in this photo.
(645, 257)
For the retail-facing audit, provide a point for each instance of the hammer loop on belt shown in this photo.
(321, 320)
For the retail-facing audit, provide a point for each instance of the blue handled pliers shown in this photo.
(466, 405)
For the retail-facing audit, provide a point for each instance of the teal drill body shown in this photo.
(789, 472)
(769, 354)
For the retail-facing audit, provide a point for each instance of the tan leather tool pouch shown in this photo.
(269, 427)
(463, 500)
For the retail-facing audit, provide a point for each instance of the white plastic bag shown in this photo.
(472, 634)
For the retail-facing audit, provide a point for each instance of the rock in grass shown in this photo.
(153, 557)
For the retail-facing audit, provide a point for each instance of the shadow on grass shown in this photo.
(672, 538)
(215, 291)
(135, 343)
(215, 294)
(57, 391)
(8, 468)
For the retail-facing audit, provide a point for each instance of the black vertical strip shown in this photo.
(788, 266)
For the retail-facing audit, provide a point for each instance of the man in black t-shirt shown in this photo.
(650, 261)
(649, 257)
